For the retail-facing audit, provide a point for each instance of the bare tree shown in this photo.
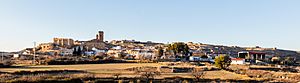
(147, 73)
(198, 74)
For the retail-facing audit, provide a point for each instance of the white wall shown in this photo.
(238, 62)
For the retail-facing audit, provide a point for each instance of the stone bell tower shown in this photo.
(100, 36)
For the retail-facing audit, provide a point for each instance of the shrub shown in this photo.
(147, 73)
(5, 63)
(222, 61)
(198, 74)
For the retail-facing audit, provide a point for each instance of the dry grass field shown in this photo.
(107, 70)
(92, 68)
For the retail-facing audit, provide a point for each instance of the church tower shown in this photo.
(100, 36)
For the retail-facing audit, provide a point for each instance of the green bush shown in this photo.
(222, 61)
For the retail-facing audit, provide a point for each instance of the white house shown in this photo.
(238, 61)
(65, 51)
(98, 50)
(117, 48)
(16, 55)
(192, 58)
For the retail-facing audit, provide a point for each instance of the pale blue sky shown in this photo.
(267, 23)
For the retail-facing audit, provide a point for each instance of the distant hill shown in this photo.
(232, 50)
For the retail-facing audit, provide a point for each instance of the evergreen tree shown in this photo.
(160, 52)
(179, 48)
(75, 51)
(79, 51)
(222, 61)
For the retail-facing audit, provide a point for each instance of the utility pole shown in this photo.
(34, 44)
(2, 56)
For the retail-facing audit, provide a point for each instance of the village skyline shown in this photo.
(37, 42)
(168, 42)
(265, 23)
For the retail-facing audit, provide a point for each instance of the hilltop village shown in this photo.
(138, 50)
(186, 61)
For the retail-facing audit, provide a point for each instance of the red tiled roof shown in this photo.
(237, 59)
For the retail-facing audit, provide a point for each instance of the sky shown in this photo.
(246, 23)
